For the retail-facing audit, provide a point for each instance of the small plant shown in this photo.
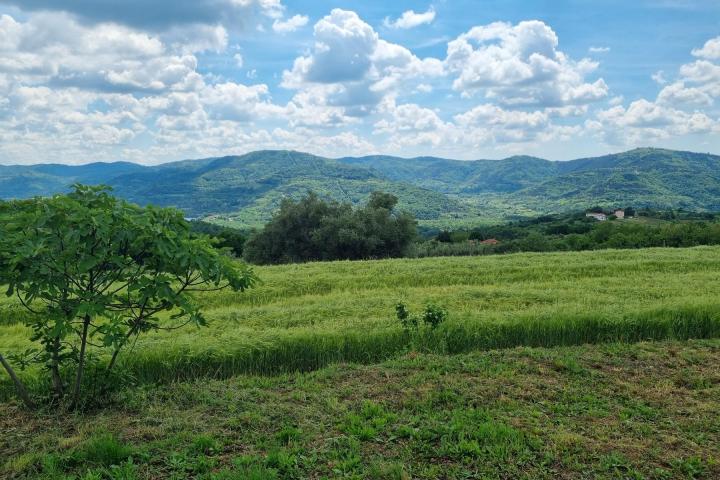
(432, 316)
(409, 322)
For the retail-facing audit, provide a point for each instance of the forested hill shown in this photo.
(248, 188)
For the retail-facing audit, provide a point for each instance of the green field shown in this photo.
(345, 392)
(617, 411)
(306, 316)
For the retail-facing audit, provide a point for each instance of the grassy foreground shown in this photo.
(646, 410)
(307, 316)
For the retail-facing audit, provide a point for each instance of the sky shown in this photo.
(151, 81)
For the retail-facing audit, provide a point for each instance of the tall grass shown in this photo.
(306, 316)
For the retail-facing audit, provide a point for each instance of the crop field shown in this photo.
(306, 316)
(310, 375)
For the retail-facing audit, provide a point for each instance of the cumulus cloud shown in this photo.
(684, 106)
(679, 94)
(520, 65)
(54, 49)
(410, 19)
(710, 51)
(643, 120)
(76, 88)
(350, 69)
(291, 24)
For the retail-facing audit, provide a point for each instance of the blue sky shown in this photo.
(89, 80)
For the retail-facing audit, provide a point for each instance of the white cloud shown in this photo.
(659, 77)
(410, 19)
(678, 94)
(351, 70)
(599, 49)
(239, 61)
(291, 24)
(487, 114)
(710, 51)
(520, 65)
(409, 117)
(643, 120)
(683, 107)
(424, 88)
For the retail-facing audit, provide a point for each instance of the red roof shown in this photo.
(490, 241)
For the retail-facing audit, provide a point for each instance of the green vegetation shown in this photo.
(642, 411)
(244, 191)
(312, 229)
(223, 237)
(92, 270)
(575, 232)
(303, 317)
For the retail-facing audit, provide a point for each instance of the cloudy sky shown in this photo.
(158, 80)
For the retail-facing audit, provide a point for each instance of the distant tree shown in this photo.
(223, 237)
(96, 270)
(629, 212)
(444, 236)
(313, 229)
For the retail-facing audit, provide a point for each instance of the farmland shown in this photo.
(305, 316)
(309, 375)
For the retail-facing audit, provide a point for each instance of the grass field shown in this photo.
(612, 411)
(345, 392)
(306, 316)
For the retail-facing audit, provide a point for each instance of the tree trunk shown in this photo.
(81, 363)
(19, 386)
(113, 359)
(55, 370)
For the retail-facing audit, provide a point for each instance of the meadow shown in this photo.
(306, 316)
(612, 411)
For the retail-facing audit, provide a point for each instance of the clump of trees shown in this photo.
(222, 237)
(96, 272)
(315, 229)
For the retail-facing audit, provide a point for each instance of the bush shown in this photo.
(431, 318)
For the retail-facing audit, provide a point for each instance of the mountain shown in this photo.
(246, 189)
(461, 177)
(22, 181)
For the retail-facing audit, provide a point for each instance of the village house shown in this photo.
(597, 216)
(601, 217)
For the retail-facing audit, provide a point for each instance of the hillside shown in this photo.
(22, 181)
(244, 190)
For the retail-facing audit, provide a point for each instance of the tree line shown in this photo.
(575, 232)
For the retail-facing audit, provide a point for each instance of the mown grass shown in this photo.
(610, 411)
(307, 316)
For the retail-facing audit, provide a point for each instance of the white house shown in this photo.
(597, 216)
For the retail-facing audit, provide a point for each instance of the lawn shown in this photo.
(632, 411)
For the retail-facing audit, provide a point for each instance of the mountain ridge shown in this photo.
(246, 188)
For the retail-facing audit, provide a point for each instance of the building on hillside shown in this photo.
(601, 217)
(619, 213)
(490, 241)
